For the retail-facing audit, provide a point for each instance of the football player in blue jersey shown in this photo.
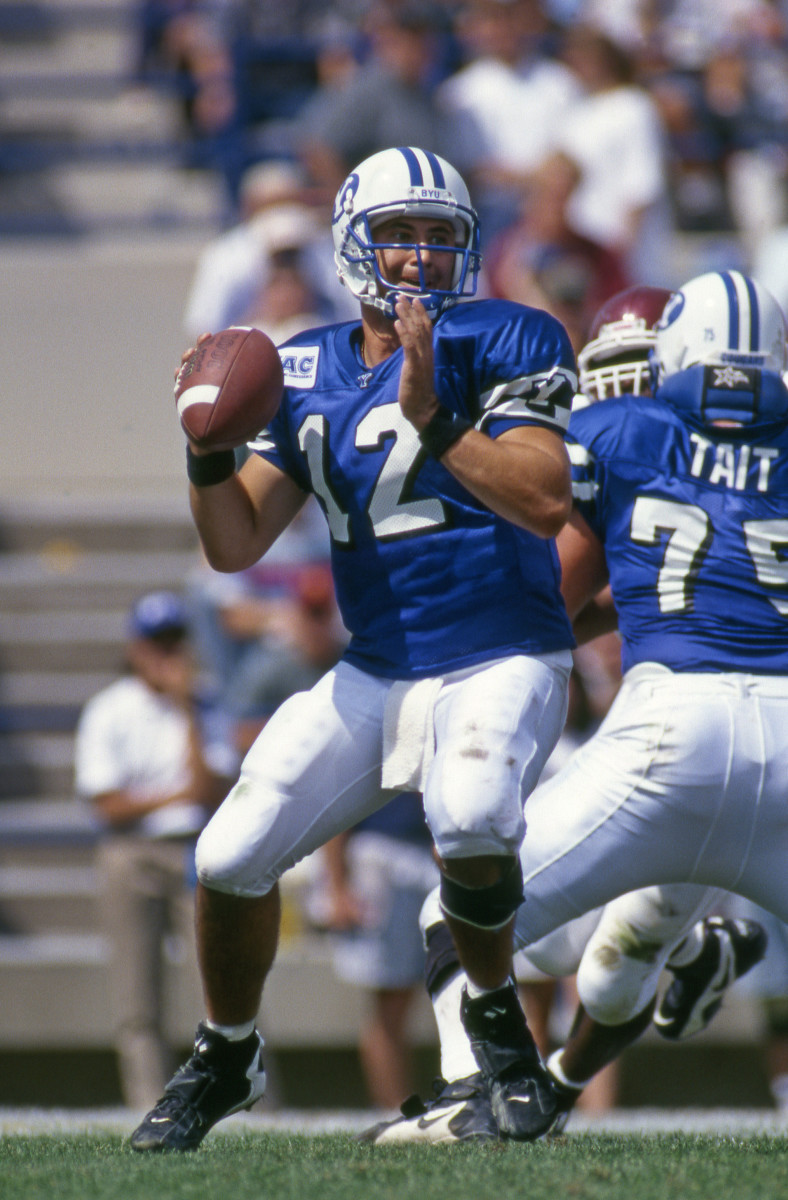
(681, 506)
(432, 434)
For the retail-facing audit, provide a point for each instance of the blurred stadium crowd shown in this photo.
(619, 125)
(255, 77)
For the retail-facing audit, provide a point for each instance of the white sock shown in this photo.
(555, 1069)
(233, 1033)
(475, 990)
(457, 1060)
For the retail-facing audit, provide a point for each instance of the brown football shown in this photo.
(229, 388)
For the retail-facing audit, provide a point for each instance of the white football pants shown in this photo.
(684, 782)
(481, 742)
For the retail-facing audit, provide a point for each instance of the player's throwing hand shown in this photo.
(416, 395)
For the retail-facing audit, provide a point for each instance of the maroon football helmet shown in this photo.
(615, 359)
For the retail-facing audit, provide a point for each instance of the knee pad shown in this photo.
(614, 988)
(431, 913)
(486, 907)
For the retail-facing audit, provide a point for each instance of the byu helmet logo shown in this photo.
(344, 201)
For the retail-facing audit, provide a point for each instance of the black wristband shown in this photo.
(442, 431)
(204, 470)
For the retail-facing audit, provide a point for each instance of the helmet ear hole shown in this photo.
(394, 182)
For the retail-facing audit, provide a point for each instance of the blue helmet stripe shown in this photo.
(755, 315)
(416, 176)
(733, 309)
(437, 172)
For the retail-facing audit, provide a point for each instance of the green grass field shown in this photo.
(278, 1166)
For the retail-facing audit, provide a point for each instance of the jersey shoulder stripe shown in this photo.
(519, 358)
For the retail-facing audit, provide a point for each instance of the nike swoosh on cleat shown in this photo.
(445, 1115)
(255, 1073)
(441, 1123)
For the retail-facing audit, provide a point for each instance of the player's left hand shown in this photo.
(416, 396)
(188, 353)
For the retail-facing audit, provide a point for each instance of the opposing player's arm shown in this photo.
(584, 575)
(240, 518)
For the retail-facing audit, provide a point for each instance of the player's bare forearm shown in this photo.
(240, 519)
(584, 573)
(523, 475)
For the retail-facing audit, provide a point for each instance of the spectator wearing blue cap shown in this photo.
(154, 766)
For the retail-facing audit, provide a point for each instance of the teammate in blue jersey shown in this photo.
(682, 506)
(432, 434)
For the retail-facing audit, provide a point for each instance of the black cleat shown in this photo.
(730, 950)
(460, 1112)
(521, 1094)
(220, 1078)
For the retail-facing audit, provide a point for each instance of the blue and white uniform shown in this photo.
(694, 523)
(454, 679)
(423, 545)
(685, 779)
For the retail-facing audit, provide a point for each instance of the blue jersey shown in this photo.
(428, 579)
(694, 521)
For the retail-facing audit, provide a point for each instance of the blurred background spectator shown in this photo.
(614, 133)
(506, 102)
(298, 641)
(369, 886)
(541, 260)
(388, 101)
(153, 758)
(770, 263)
(187, 48)
(241, 616)
(275, 267)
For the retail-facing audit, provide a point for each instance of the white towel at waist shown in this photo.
(409, 734)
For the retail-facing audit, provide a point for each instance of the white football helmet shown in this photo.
(615, 359)
(722, 318)
(388, 184)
